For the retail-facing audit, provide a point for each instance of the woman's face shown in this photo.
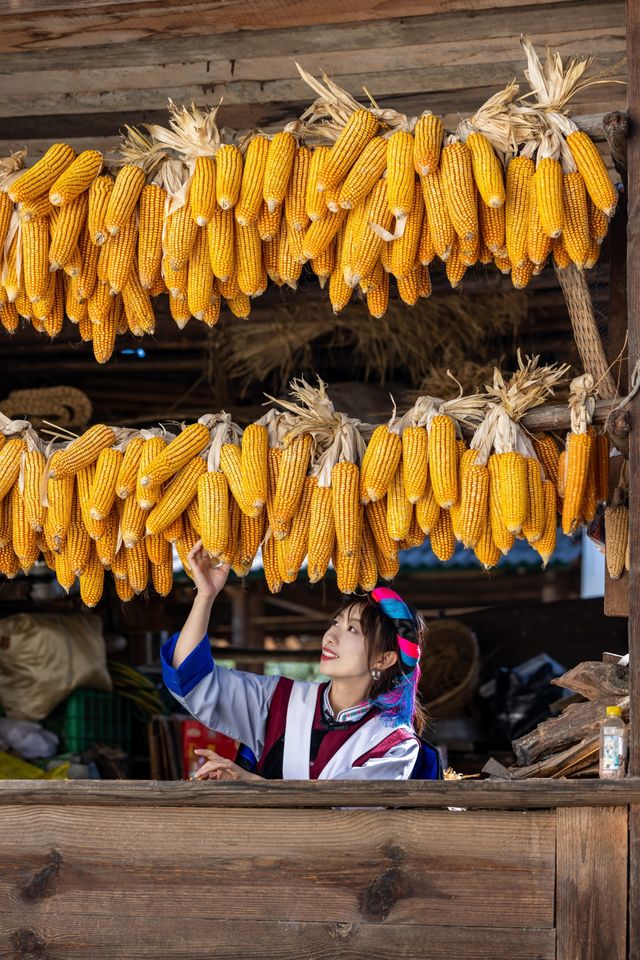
(344, 649)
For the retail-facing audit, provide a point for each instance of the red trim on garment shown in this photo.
(332, 741)
(382, 748)
(276, 718)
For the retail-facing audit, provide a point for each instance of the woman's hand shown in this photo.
(219, 768)
(209, 578)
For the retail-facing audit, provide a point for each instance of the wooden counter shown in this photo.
(186, 871)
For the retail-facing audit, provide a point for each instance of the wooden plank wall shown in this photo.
(224, 882)
(78, 72)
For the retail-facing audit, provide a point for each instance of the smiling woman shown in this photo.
(363, 723)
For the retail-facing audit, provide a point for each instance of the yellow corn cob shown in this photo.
(487, 170)
(602, 466)
(459, 190)
(443, 542)
(290, 483)
(269, 223)
(33, 466)
(240, 305)
(575, 235)
(6, 212)
(229, 553)
(474, 504)
(23, 537)
(347, 512)
(427, 144)
(231, 465)
(123, 199)
(158, 549)
(280, 158)
(202, 191)
(10, 459)
(295, 198)
(324, 264)
(590, 499)
(492, 227)
(147, 496)
(485, 550)
(273, 469)
(593, 171)
(181, 234)
(502, 537)
(73, 266)
(364, 174)
(103, 491)
(368, 569)
(121, 253)
(513, 486)
(82, 451)
(321, 234)
(193, 515)
(400, 174)
(104, 332)
(79, 546)
(347, 571)
(399, 510)
(213, 508)
(379, 463)
(427, 509)
(9, 563)
(98, 201)
(84, 483)
(58, 519)
(339, 292)
(534, 525)
(254, 465)
(221, 239)
(294, 545)
(176, 530)
(212, 312)
(76, 178)
(440, 224)
(289, 268)
(423, 281)
(249, 260)
(271, 565)
(23, 305)
(200, 283)
(365, 258)
(562, 475)
(151, 215)
(561, 258)
(9, 317)
(408, 287)
(176, 498)
(415, 537)
(443, 461)
(521, 275)
(378, 296)
(55, 317)
(426, 249)
(86, 281)
(35, 258)
(137, 304)
(593, 255)
(616, 531)
(360, 128)
(255, 164)
(376, 516)
(577, 470)
(322, 533)
(66, 232)
(315, 204)
(404, 250)
(133, 522)
(188, 444)
(11, 281)
(517, 214)
(5, 521)
(548, 183)
(138, 567)
(123, 588)
(538, 241)
(546, 545)
(547, 452)
(162, 577)
(39, 178)
(598, 222)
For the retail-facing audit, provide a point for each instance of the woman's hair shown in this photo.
(396, 692)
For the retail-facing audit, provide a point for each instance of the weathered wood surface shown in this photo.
(79, 937)
(591, 884)
(482, 869)
(81, 73)
(535, 794)
(596, 681)
(575, 723)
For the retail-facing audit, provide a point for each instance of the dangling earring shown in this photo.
(375, 673)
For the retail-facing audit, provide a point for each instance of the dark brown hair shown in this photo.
(381, 636)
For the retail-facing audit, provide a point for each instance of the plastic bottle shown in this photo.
(613, 745)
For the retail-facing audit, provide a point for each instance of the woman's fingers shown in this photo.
(196, 548)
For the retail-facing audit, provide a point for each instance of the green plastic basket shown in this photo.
(90, 716)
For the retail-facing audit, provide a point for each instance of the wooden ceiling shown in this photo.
(78, 71)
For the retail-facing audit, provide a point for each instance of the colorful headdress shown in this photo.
(398, 704)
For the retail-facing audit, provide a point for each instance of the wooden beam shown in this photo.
(416, 794)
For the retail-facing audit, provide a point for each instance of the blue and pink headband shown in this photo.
(392, 604)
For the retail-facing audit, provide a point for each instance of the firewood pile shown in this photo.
(567, 745)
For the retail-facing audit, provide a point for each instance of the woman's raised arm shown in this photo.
(209, 581)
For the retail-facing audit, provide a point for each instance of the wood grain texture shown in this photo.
(480, 869)
(414, 794)
(591, 884)
(24, 937)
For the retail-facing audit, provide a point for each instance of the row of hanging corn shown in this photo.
(304, 482)
(207, 216)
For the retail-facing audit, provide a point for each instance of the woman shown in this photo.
(360, 725)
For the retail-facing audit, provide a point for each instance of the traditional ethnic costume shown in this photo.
(288, 728)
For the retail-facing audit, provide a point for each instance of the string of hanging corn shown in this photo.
(366, 199)
(306, 485)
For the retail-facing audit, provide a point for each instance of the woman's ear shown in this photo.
(387, 660)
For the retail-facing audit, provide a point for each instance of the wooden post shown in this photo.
(633, 307)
